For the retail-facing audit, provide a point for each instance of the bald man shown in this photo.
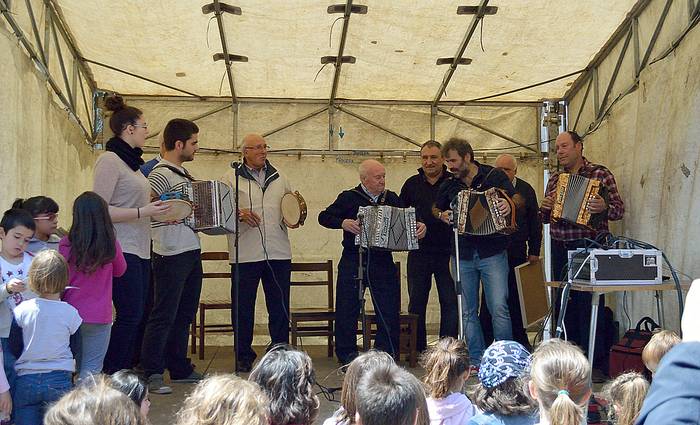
(524, 246)
(378, 265)
(264, 250)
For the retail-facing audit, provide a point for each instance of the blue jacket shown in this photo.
(674, 396)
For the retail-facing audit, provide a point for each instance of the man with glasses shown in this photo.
(264, 250)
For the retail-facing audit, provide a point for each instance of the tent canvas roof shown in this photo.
(396, 45)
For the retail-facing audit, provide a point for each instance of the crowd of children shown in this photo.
(55, 321)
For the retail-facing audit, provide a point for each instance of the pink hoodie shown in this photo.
(455, 409)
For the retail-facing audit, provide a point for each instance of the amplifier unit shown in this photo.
(615, 266)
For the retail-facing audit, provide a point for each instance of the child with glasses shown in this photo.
(44, 210)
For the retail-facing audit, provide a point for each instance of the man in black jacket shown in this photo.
(380, 274)
(433, 257)
(524, 246)
(481, 258)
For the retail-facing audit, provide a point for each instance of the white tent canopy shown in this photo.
(396, 45)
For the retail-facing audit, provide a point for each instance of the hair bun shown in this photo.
(18, 203)
(115, 103)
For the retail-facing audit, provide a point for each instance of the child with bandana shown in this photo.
(502, 393)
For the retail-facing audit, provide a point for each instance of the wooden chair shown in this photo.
(201, 328)
(325, 314)
(408, 329)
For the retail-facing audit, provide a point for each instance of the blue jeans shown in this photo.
(35, 392)
(94, 340)
(493, 273)
(9, 361)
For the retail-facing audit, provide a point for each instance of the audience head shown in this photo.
(359, 367)
(447, 367)
(657, 347)
(626, 393)
(503, 378)
(134, 387)
(44, 210)
(225, 400)
(287, 377)
(126, 121)
(48, 273)
(560, 381)
(94, 402)
(16, 230)
(92, 234)
(389, 395)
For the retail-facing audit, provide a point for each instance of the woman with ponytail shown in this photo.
(560, 381)
(119, 181)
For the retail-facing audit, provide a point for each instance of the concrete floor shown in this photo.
(220, 360)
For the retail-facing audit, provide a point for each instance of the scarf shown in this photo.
(131, 156)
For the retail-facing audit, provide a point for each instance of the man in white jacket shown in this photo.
(264, 250)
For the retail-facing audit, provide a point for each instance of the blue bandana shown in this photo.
(503, 360)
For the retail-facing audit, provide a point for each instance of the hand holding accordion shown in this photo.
(387, 228)
(479, 213)
(572, 199)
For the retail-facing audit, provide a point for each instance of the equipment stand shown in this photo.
(458, 285)
(361, 285)
(236, 278)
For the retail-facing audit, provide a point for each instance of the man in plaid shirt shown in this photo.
(566, 236)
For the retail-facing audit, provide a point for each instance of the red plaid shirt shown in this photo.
(564, 231)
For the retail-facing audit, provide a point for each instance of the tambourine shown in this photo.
(293, 210)
(180, 207)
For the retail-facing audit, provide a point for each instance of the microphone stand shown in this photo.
(361, 284)
(458, 276)
(236, 274)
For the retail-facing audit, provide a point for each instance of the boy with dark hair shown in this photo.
(390, 395)
(177, 268)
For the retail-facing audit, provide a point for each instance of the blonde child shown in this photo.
(44, 326)
(225, 400)
(560, 381)
(447, 369)
(626, 394)
(659, 344)
(94, 402)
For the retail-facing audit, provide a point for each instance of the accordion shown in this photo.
(571, 200)
(387, 228)
(214, 212)
(476, 213)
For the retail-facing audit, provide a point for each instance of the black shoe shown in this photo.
(244, 366)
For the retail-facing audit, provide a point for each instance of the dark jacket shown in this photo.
(528, 220)
(486, 178)
(674, 396)
(418, 193)
(345, 207)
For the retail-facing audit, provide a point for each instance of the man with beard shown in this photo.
(482, 258)
(177, 268)
(433, 256)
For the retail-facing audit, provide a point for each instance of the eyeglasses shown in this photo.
(49, 216)
(140, 125)
(257, 148)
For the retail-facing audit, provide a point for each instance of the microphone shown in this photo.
(236, 166)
